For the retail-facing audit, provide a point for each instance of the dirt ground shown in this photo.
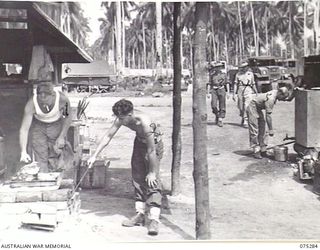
(250, 199)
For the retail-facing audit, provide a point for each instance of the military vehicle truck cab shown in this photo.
(291, 65)
(267, 73)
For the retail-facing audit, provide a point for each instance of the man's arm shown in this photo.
(226, 82)
(105, 141)
(153, 173)
(253, 84)
(64, 108)
(269, 123)
(254, 87)
(235, 89)
(24, 130)
(67, 117)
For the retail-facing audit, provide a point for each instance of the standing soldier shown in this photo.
(217, 88)
(244, 88)
(257, 122)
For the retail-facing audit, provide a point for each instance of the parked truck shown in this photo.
(267, 73)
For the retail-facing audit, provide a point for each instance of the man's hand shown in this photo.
(90, 161)
(25, 157)
(60, 142)
(271, 133)
(151, 180)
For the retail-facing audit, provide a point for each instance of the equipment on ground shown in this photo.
(307, 134)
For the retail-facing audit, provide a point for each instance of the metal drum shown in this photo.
(281, 153)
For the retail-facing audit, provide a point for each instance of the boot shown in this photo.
(257, 155)
(137, 220)
(245, 123)
(217, 120)
(220, 124)
(153, 228)
(264, 154)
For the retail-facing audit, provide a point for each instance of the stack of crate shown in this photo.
(39, 204)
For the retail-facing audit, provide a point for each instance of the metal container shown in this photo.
(316, 178)
(281, 153)
(2, 164)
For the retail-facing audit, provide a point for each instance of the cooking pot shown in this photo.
(281, 153)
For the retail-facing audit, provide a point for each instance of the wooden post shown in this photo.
(199, 124)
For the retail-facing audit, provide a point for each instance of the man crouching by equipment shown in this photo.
(147, 152)
(256, 120)
(46, 115)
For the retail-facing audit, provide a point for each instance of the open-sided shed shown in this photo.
(23, 25)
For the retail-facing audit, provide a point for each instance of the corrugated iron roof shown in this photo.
(44, 31)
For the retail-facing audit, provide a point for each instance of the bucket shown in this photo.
(281, 153)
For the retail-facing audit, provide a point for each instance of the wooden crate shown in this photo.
(96, 177)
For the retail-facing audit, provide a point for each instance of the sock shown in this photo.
(154, 213)
(140, 207)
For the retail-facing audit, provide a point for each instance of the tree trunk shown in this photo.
(134, 58)
(218, 48)
(166, 60)
(199, 125)
(176, 101)
(237, 52)
(123, 36)
(191, 54)
(159, 38)
(181, 48)
(254, 31)
(305, 39)
(266, 31)
(240, 49)
(290, 31)
(241, 32)
(118, 32)
(316, 26)
(272, 46)
(128, 59)
(144, 46)
(226, 47)
(214, 46)
(153, 50)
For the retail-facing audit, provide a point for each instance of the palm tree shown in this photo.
(76, 25)
(107, 39)
(199, 124)
(135, 42)
(159, 38)
(292, 22)
(270, 13)
(241, 32)
(256, 46)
